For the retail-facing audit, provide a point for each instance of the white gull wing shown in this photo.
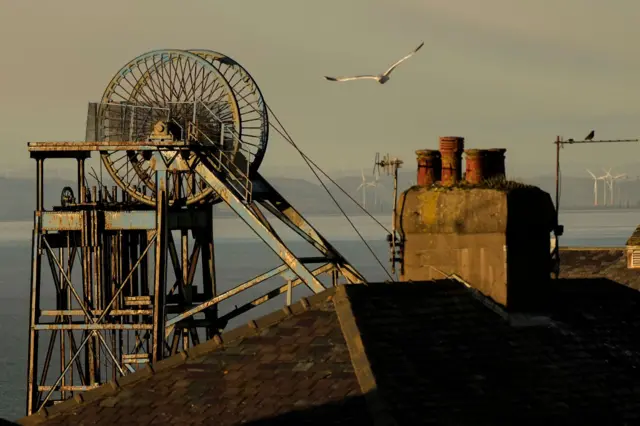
(357, 77)
(392, 67)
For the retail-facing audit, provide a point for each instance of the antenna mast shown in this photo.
(390, 166)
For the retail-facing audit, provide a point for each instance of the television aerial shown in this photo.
(390, 165)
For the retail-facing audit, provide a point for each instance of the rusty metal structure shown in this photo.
(178, 131)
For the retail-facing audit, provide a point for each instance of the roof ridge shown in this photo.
(514, 319)
(378, 409)
(219, 341)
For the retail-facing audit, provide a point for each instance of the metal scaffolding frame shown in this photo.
(178, 131)
(123, 313)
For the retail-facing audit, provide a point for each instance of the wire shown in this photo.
(308, 160)
(309, 163)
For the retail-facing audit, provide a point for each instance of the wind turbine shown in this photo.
(363, 186)
(610, 180)
(607, 182)
(613, 179)
(375, 184)
(595, 188)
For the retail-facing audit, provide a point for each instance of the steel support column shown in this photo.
(34, 302)
(160, 273)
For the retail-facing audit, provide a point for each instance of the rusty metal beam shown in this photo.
(160, 274)
(125, 220)
(78, 312)
(205, 170)
(85, 326)
(227, 294)
(277, 205)
(272, 294)
(35, 147)
(66, 388)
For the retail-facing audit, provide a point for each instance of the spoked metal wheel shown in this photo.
(178, 88)
(251, 106)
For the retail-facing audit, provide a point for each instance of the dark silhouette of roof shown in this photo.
(397, 354)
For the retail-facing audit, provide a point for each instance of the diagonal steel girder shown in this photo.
(206, 171)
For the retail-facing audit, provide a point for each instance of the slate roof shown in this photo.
(634, 239)
(281, 363)
(428, 353)
(598, 262)
(457, 362)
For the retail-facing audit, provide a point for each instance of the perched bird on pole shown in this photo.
(590, 135)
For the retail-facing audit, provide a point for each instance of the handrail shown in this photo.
(224, 163)
(221, 160)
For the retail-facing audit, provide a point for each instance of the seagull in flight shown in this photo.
(380, 78)
(590, 135)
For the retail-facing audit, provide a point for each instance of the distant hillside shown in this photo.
(18, 195)
(578, 191)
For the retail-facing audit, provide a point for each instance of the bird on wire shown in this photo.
(380, 78)
(590, 135)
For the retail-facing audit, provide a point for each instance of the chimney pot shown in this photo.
(495, 163)
(451, 148)
(429, 167)
(475, 165)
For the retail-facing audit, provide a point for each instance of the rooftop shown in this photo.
(399, 353)
(592, 262)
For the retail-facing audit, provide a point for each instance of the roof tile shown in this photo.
(295, 364)
(598, 262)
(466, 364)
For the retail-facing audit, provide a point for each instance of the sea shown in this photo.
(240, 255)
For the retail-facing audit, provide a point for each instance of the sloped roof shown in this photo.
(634, 239)
(598, 262)
(289, 360)
(396, 354)
(440, 356)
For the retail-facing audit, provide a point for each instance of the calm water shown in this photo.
(239, 257)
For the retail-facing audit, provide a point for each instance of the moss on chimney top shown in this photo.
(495, 183)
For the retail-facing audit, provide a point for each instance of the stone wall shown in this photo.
(496, 239)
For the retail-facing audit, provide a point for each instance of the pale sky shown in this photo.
(501, 73)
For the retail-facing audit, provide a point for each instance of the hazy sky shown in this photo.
(502, 73)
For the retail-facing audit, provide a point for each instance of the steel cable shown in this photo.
(311, 164)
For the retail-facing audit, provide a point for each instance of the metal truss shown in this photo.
(121, 310)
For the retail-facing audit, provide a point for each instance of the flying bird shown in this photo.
(380, 78)
(590, 135)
